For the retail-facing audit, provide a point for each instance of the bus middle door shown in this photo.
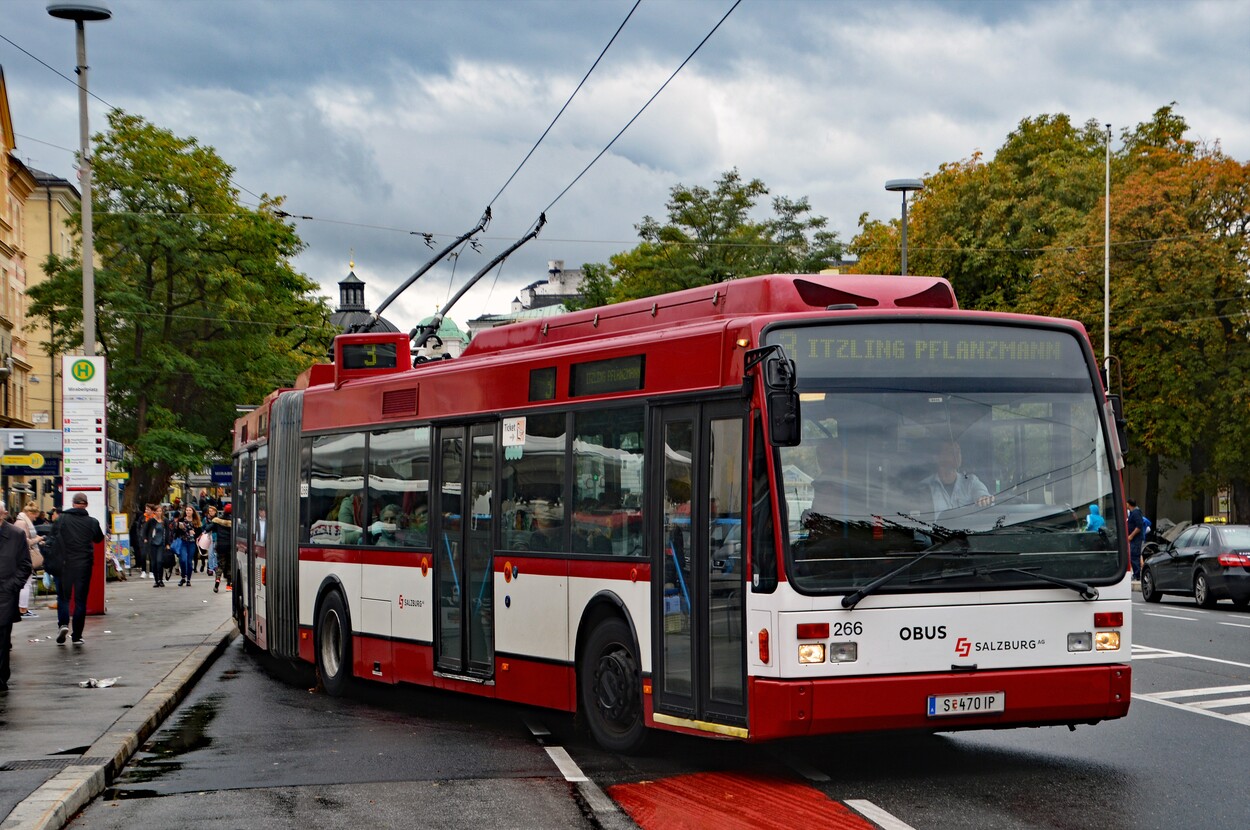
(463, 551)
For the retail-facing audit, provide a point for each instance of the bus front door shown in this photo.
(698, 492)
(464, 564)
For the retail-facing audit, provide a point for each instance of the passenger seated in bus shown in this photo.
(951, 488)
(548, 534)
(386, 528)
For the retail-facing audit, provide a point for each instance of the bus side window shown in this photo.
(607, 481)
(532, 493)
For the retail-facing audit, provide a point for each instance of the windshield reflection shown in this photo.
(996, 484)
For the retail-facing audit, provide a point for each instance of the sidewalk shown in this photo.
(61, 744)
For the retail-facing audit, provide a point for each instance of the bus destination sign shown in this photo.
(929, 349)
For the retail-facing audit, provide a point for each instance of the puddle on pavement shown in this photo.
(157, 758)
(228, 674)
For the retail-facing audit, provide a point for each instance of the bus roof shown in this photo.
(775, 293)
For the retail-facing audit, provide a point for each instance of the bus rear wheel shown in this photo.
(611, 688)
(334, 645)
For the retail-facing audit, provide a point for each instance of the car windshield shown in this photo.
(999, 470)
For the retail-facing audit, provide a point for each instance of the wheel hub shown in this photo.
(614, 689)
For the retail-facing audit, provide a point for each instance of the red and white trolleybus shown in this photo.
(776, 506)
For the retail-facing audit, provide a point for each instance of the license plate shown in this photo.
(981, 703)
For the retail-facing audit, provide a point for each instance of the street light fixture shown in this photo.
(80, 12)
(903, 186)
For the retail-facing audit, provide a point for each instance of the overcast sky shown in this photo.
(387, 117)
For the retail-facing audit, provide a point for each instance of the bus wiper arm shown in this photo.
(1087, 592)
(850, 600)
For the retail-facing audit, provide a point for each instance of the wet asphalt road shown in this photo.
(250, 748)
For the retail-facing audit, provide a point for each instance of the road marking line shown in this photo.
(536, 728)
(874, 813)
(1170, 617)
(1166, 653)
(1236, 625)
(567, 766)
(1241, 719)
(1211, 690)
(807, 770)
(1222, 703)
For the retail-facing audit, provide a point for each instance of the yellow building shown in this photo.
(17, 183)
(53, 202)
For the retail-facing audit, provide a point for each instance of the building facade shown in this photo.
(17, 183)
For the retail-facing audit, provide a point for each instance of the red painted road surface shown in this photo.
(732, 801)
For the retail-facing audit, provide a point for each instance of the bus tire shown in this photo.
(611, 687)
(333, 645)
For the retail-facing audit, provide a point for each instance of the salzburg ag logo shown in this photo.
(82, 370)
(963, 646)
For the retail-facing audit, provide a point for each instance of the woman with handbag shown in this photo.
(206, 544)
(186, 528)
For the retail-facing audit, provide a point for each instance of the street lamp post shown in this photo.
(903, 186)
(80, 12)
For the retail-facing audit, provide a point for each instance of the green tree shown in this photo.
(982, 224)
(198, 307)
(709, 237)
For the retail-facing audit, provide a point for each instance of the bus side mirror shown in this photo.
(781, 397)
(784, 424)
(1117, 417)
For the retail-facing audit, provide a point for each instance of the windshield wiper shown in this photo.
(850, 600)
(1087, 592)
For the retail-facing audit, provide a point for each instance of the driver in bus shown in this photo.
(952, 488)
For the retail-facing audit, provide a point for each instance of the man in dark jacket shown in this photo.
(14, 571)
(77, 533)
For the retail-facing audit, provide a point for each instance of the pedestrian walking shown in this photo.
(15, 569)
(205, 544)
(186, 528)
(221, 548)
(1136, 525)
(138, 550)
(25, 521)
(154, 545)
(75, 535)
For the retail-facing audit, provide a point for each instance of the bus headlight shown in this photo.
(811, 652)
(843, 652)
(1107, 641)
(1081, 641)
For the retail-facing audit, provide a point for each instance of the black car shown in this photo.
(1206, 562)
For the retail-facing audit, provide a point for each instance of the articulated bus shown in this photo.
(778, 506)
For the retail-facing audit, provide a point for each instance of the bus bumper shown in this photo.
(1033, 697)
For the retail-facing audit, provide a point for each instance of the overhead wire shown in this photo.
(628, 124)
(566, 103)
(542, 218)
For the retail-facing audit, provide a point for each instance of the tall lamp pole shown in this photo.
(1106, 268)
(80, 12)
(903, 186)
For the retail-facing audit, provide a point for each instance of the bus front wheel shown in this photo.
(334, 645)
(611, 688)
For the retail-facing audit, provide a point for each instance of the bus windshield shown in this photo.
(980, 444)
